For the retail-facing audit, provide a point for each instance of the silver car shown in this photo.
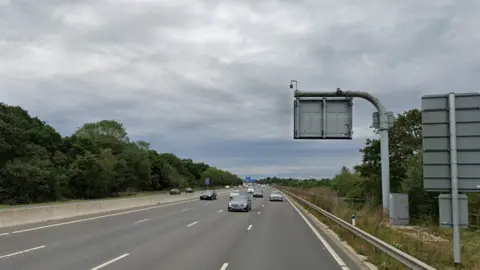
(234, 193)
(240, 203)
(276, 196)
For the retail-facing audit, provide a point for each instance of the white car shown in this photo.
(251, 190)
(276, 196)
(234, 193)
(227, 187)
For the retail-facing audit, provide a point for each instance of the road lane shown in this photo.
(102, 243)
(271, 236)
(202, 246)
(280, 240)
(162, 201)
(17, 241)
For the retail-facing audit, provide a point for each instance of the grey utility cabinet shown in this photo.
(399, 209)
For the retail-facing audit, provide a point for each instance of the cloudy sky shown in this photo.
(208, 79)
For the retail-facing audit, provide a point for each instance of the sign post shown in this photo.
(451, 155)
(207, 182)
(329, 116)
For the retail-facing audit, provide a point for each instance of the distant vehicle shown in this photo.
(189, 190)
(208, 195)
(251, 190)
(258, 193)
(276, 196)
(240, 203)
(234, 193)
(227, 187)
(175, 191)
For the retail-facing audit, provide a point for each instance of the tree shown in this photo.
(37, 164)
(107, 128)
(405, 140)
(291, 182)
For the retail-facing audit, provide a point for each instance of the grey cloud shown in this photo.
(224, 97)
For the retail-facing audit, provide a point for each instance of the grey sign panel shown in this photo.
(445, 210)
(436, 142)
(323, 118)
(376, 119)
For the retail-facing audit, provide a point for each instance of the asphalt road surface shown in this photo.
(194, 235)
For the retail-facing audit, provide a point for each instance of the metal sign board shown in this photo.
(436, 138)
(323, 118)
(376, 119)
(445, 210)
(207, 181)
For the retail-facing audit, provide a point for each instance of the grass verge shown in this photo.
(121, 196)
(430, 244)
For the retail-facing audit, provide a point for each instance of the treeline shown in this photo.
(406, 170)
(99, 160)
(293, 182)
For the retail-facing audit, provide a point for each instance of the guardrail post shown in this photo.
(353, 220)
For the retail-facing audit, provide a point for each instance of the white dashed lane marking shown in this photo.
(140, 221)
(191, 224)
(111, 261)
(20, 252)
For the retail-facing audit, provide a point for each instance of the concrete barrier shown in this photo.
(32, 214)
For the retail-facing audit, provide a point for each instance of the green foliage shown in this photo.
(406, 168)
(292, 182)
(99, 160)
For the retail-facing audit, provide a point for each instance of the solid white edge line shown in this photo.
(320, 237)
(20, 252)
(3, 234)
(224, 266)
(249, 227)
(104, 216)
(143, 220)
(191, 224)
(111, 261)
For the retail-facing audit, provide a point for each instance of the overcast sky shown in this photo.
(208, 79)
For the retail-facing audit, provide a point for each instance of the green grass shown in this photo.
(419, 244)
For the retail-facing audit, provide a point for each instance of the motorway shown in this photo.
(191, 235)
